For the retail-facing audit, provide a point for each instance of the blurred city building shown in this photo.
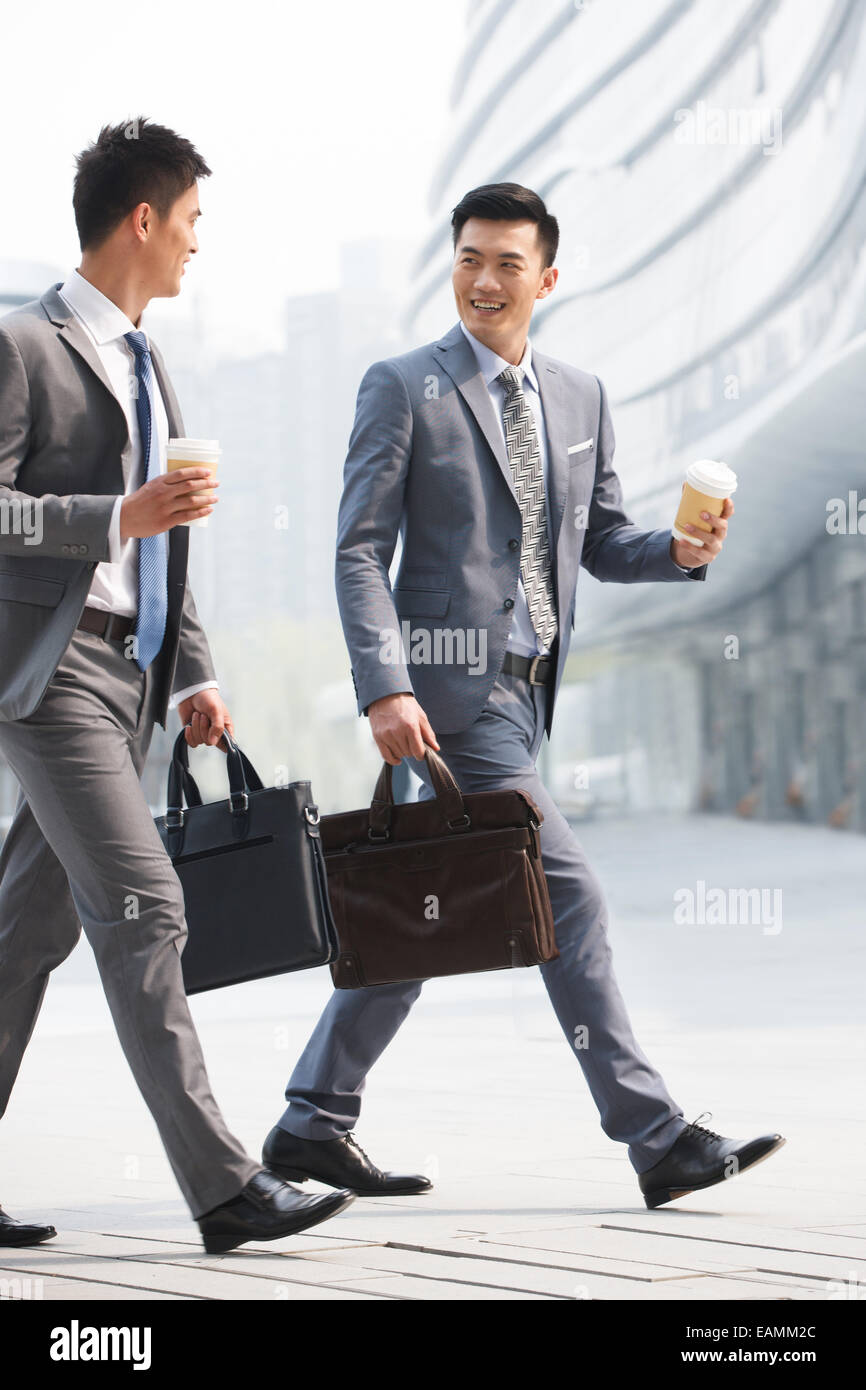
(263, 570)
(707, 166)
(706, 163)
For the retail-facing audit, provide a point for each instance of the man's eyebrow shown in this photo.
(503, 255)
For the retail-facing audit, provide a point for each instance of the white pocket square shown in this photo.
(579, 448)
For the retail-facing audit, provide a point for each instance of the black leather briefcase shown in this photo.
(253, 875)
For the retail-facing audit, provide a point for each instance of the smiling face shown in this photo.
(171, 241)
(498, 277)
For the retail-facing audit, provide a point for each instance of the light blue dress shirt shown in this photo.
(522, 638)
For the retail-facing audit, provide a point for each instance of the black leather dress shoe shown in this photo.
(266, 1209)
(340, 1162)
(700, 1158)
(18, 1233)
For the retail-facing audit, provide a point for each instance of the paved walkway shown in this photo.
(761, 1027)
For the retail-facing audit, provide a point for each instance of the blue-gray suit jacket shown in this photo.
(427, 460)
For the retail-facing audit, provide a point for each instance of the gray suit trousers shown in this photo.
(83, 850)
(498, 750)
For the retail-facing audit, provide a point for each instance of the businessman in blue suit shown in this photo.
(495, 463)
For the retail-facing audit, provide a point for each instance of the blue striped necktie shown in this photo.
(152, 550)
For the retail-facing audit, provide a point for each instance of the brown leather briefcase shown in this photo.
(440, 887)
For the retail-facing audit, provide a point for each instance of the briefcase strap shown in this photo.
(448, 795)
(243, 779)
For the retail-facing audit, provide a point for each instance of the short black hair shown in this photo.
(509, 202)
(131, 163)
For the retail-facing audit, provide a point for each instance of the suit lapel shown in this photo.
(551, 388)
(169, 399)
(456, 357)
(555, 404)
(73, 333)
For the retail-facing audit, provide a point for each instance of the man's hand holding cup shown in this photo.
(173, 499)
(702, 519)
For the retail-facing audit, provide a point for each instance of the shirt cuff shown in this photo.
(191, 690)
(115, 544)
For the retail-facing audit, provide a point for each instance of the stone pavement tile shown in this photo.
(435, 1290)
(631, 1268)
(744, 1236)
(459, 1266)
(643, 1257)
(277, 1261)
(737, 1288)
(753, 1199)
(53, 1288)
(380, 1222)
(118, 1281)
(589, 1287)
(811, 1286)
(116, 1222)
(658, 1250)
(658, 1255)
(493, 1188)
(219, 1277)
(856, 1234)
(117, 1218)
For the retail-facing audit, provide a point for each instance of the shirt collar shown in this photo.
(103, 319)
(491, 364)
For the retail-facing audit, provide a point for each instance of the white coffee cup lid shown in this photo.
(712, 476)
(210, 446)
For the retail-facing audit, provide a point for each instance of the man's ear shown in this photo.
(551, 275)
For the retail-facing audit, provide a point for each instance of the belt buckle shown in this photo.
(533, 666)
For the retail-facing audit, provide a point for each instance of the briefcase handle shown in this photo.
(448, 795)
(243, 779)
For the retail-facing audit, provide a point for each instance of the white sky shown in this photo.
(321, 121)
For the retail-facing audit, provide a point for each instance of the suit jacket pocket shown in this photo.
(27, 588)
(432, 603)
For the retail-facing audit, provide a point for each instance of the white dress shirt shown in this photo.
(115, 582)
(522, 637)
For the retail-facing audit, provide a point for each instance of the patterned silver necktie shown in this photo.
(524, 455)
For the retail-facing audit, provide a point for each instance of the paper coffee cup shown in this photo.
(708, 483)
(187, 453)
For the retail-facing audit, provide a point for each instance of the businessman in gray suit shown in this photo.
(495, 464)
(100, 638)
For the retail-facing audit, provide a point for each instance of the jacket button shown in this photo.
(509, 603)
(64, 549)
(513, 544)
(83, 549)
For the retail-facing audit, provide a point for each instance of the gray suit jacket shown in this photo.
(64, 441)
(427, 461)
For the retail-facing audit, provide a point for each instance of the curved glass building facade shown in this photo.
(707, 165)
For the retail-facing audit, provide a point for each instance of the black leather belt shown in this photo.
(538, 670)
(107, 625)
